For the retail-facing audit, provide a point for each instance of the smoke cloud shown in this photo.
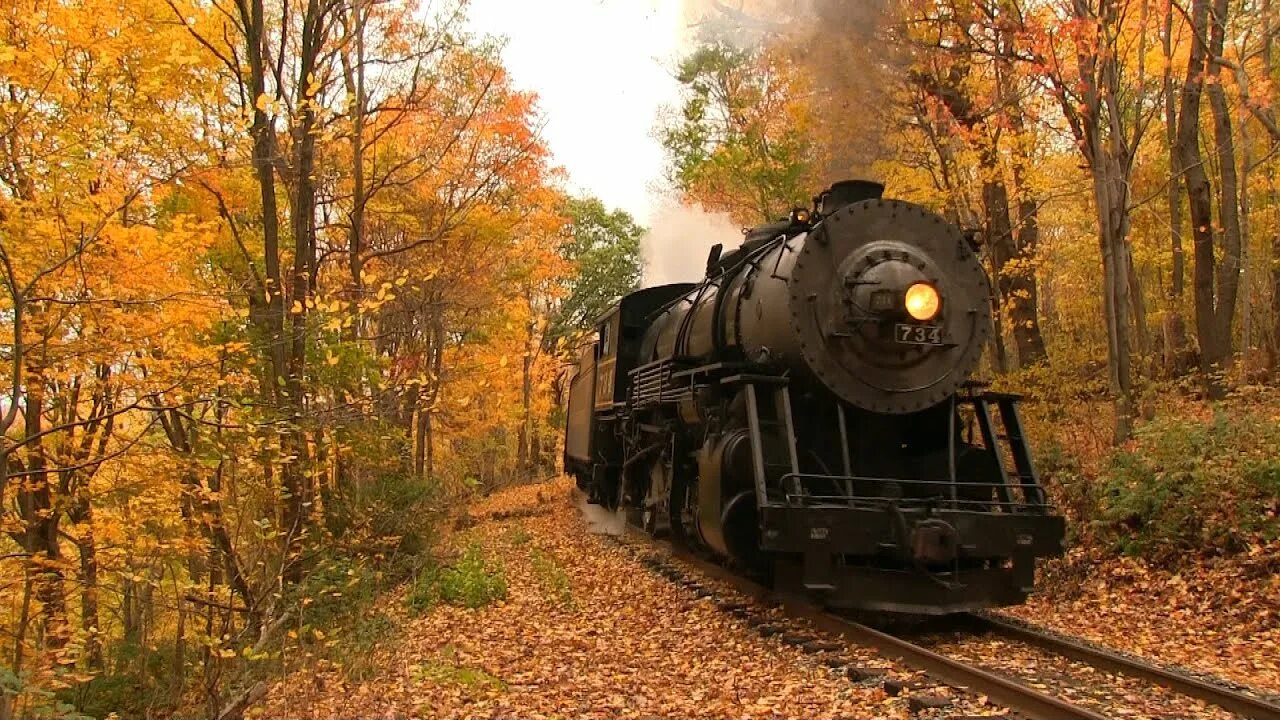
(741, 23)
(747, 23)
(680, 236)
(846, 46)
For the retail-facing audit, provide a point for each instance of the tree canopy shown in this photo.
(604, 247)
(268, 267)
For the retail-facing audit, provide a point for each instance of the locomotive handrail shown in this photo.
(950, 499)
(972, 390)
(900, 481)
(896, 481)
(878, 501)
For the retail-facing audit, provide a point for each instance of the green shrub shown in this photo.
(40, 702)
(341, 619)
(140, 680)
(128, 694)
(552, 577)
(391, 513)
(445, 670)
(1192, 486)
(359, 645)
(470, 582)
(1074, 494)
(424, 593)
(518, 535)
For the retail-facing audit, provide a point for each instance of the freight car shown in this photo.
(807, 412)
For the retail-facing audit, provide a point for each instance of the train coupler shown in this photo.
(934, 542)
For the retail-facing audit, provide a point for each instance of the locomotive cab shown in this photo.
(598, 392)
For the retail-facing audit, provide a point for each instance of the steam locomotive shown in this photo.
(807, 413)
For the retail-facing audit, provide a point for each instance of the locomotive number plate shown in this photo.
(918, 334)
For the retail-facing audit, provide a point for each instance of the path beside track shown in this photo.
(588, 631)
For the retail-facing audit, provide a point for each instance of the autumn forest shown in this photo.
(287, 282)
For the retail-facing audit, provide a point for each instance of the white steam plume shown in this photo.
(679, 238)
(748, 23)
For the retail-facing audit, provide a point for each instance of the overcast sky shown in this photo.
(602, 69)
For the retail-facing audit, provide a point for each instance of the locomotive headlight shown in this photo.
(923, 302)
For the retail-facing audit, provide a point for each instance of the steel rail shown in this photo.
(1001, 690)
(1006, 692)
(1233, 700)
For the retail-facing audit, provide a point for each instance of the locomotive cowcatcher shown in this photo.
(807, 413)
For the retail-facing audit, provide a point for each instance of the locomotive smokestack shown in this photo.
(847, 192)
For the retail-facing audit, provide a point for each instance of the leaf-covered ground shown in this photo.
(1220, 617)
(586, 631)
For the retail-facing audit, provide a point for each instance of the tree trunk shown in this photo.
(41, 519)
(1111, 200)
(1214, 287)
(428, 449)
(1023, 296)
(1227, 275)
(283, 382)
(203, 511)
(421, 423)
(215, 529)
(1174, 198)
(269, 316)
(145, 597)
(1178, 355)
(8, 702)
(294, 441)
(129, 613)
(87, 546)
(1024, 311)
(208, 660)
(1010, 254)
(1138, 308)
(999, 243)
(180, 648)
(435, 356)
(524, 440)
(354, 74)
(1199, 195)
(1246, 291)
(1274, 193)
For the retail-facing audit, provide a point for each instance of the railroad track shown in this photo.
(1017, 696)
(1238, 701)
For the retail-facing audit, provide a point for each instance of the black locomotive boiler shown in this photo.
(807, 413)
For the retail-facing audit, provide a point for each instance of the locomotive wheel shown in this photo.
(615, 495)
(655, 496)
(679, 505)
(606, 489)
(649, 520)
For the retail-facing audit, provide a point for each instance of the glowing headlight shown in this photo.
(923, 302)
